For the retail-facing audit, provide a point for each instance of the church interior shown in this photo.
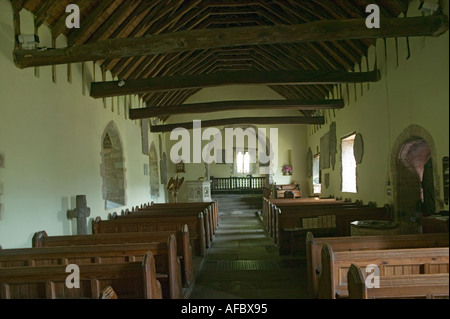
(271, 139)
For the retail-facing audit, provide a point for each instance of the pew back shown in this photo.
(132, 280)
(425, 286)
(41, 239)
(194, 223)
(392, 262)
(213, 208)
(328, 221)
(166, 261)
(358, 243)
(159, 214)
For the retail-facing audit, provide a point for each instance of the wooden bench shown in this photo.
(291, 227)
(167, 264)
(426, 286)
(272, 206)
(304, 210)
(391, 262)
(168, 212)
(184, 249)
(131, 280)
(358, 243)
(435, 224)
(130, 225)
(212, 206)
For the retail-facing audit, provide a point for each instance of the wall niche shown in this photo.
(113, 169)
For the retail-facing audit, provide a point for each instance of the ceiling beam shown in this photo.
(199, 39)
(320, 120)
(194, 81)
(149, 112)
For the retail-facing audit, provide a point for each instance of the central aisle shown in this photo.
(243, 263)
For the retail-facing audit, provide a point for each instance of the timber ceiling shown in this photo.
(107, 19)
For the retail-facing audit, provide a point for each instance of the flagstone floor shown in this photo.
(243, 263)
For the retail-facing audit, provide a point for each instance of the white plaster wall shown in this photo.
(50, 135)
(413, 92)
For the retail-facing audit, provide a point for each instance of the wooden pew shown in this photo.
(358, 243)
(129, 225)
(274, 206)
(210, 209)
(131, 280)
(291, 233)
(167, 263)
(270, 206)
(184, 249)
(167, 212)
(435, 224)
(391, 262)
(426, 286)
(213, 206)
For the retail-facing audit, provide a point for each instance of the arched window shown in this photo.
(113, 169)
(348, 164)
(243, 162)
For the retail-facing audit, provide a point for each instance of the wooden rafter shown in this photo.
(323, 30)
(296, 77)
(320, 120)
(211, 107)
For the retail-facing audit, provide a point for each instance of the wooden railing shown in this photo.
(238, 184)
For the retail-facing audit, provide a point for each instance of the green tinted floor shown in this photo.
(243, 263)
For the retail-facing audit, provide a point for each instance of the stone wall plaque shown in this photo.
(325, 151)
(333, 144)
(358, 148)
(309, 163)
(327, 180)
(154, 171)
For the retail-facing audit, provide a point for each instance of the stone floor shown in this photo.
(243, 263)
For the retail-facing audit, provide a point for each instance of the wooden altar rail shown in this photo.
(237, 183)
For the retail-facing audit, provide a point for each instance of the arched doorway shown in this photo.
(113, 168)
(415, 178)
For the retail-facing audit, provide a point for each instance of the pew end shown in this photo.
(38, 238)
(108, 293)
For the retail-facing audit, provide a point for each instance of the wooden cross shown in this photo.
(81, 212)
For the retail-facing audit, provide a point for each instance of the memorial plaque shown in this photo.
(358, 148)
